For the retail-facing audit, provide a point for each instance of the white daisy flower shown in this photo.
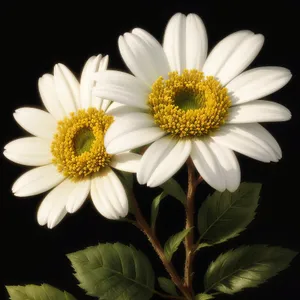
(191, 105)
(68, 150)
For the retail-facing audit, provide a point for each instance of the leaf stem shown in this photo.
(142, 224)
(193, 182)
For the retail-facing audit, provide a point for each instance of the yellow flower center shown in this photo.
(189, 105)
(78, 145)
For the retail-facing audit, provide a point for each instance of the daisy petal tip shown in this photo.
(221, 190)
(123, 214)
(140, 179)
(18, 194)
(70, 209)
(52, 222)
(120, 39)
(42, 221)
(286, 114)
(260, 37)
(99, 56)
(152, 183)
(60, 66)
(194, 16)
(56, 68)
(51, 225)
(5, 151)
(233, 188)
(126, 36)
(136, 30)
(178, 14)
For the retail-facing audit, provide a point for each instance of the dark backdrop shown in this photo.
(35, 36)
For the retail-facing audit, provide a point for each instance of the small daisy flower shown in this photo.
(191, 105)
(67, 148)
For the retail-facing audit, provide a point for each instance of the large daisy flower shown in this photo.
(68, 149)
(190, 105)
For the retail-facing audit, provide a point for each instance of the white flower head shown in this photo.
(67, 147)
(189, 104)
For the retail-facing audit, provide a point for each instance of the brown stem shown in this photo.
(189, 240)
(146, 229)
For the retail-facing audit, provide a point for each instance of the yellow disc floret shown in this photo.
(78, 145)
(188, 105)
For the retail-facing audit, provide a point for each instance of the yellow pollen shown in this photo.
(189, 105)
(78, 145)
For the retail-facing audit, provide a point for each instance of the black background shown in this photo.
(35, 36)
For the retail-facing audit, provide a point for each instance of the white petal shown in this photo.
(241, 58)
(37, 181)
(143, 55)
(87, 80)
(56, 216)
(265, 135)
(30, 151)
(228, 163)
(243, 138)
(257, 83)
(77, 195)
(49, 97)
(67, 88)
(108, 195)
(36, 122)
(223, 50)
(258, 111)
(152, 157)
(175, 42)
(121, 87)
(155, 50)
(128, 162)
(119, 110)
(98, 102)
(162, 160)
(128, 123)
(134, 139)
(137, 63)
(207, 165)
(104, 207)
(196, 42)
(52, 209)
(232, 55)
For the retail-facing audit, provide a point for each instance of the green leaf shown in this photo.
(114, 271)
(173, 243)
(172, 187)
(223, 216)
(167, 285)
(155, 208)
(204, 297)
(37, 292)
(245, 267)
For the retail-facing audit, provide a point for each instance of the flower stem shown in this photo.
(142, 224)
(193, 182)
